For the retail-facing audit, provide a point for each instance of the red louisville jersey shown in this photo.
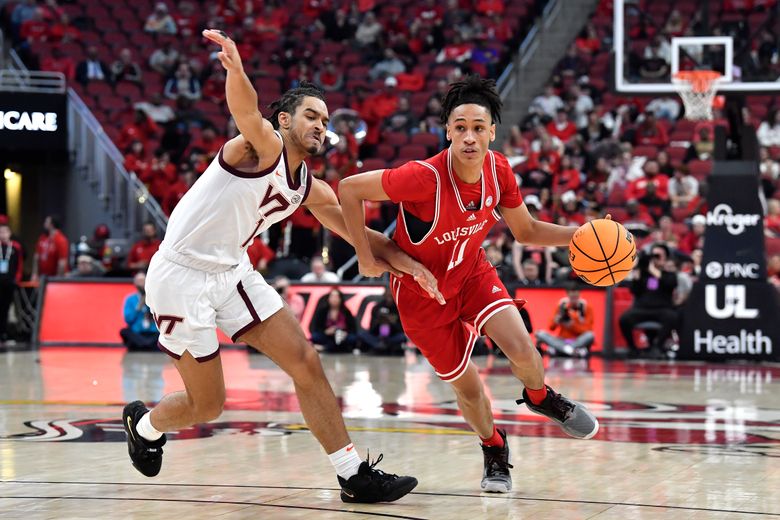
(442, 221)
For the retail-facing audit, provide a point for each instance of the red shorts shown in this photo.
(440, 331)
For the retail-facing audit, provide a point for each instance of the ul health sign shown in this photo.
(732, 312)
(33, 121)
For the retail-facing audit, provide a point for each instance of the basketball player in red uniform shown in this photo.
(448, 203)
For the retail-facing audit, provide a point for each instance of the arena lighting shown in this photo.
(9, 174)
(333, 137)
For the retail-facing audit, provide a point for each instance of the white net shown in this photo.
(697, 90)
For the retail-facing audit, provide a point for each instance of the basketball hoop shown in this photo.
(697, 89)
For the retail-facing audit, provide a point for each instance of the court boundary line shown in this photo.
(219, 502)
(423, 493)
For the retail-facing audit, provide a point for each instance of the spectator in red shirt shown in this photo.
(136, 160)
(260, 255)
(208, 143)
(143, 129)
(329, 78)
(51, 251)
(561, 127)
(649, 132)
(142, 251)
(58, 62)
(567, 178)
(63, 31)
(177, 190)
(342, 160)
(637, 189)
(694, 239)
(34, 30)
(186, 21)
(375, 109)
(159, 175)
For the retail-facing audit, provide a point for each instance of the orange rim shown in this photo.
(700, 80)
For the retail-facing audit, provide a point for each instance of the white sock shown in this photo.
(145, 428)
(346, 461)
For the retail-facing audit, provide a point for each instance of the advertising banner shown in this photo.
(732, 311)
(32, 121)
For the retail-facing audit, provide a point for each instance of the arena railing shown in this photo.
(100, 163)
(506, 81)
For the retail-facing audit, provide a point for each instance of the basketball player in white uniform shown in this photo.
(201, 279)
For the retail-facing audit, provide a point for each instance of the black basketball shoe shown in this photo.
(572, 416)
(495, 476)
(371, 485)
(146, 455)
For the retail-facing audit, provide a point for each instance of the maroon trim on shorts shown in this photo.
(246, 175)
(161, 347)
(252, 312)
(209, 357)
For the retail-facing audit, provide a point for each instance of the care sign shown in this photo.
(33, 121)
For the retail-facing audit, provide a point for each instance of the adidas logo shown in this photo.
(495, 290)
(471, 205)
(471, 217)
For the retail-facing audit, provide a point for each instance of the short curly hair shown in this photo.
(474, 90)
(292, 99)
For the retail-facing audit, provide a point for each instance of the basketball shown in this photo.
(602, 252)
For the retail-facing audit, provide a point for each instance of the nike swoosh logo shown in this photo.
(350, 448)
(130, 427)
(348, 493)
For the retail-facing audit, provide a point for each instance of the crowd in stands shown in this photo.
(580, 153)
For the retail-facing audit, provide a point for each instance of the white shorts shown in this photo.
(188, 305)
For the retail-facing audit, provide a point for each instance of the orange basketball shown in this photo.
(602, 252)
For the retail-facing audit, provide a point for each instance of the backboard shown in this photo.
(654, 40)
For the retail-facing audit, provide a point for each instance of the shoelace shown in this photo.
(557, 402)
(497, 463)
(378, 473)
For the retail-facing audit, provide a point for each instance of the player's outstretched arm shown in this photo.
(528, 230)
(324, 205)
(242, 100)
(353, 192)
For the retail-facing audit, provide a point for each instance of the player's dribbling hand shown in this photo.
(428, 282)
(229, 56)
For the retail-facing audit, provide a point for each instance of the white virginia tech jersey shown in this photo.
(221, 214)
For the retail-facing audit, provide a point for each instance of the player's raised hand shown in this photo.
(428, 282)
(229, 56)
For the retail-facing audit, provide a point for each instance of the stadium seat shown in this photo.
(386, 151)
(428, 140)
(700, 169)
(395, 138)
(373, 164)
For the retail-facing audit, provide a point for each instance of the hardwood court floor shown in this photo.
(676, 441)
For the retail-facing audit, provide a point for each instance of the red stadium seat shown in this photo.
(412, 152)
(646, 151)
(428, 140)
(700, 169)
(395, 138)
(386, 151)
(373, 164)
